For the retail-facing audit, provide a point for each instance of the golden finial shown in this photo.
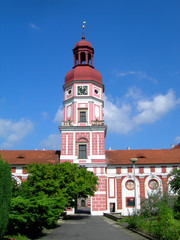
(84, 22)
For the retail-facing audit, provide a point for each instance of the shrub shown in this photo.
(30, 216)
(135, 221)
(177, 208)
(149, 205)
(5, 195)
(164, 228)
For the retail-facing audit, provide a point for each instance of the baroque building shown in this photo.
(83, 135)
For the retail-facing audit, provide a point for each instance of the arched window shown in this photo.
(83, 203)
(83, 58)
(89, 59)
(82, 146)
(82, 151)
(76, 59)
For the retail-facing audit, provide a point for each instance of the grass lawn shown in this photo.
(124, 219)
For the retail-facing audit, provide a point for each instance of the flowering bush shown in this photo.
(163, 227)
(136, 221)
(149, 205)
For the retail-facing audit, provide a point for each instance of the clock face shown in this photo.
(82, 90)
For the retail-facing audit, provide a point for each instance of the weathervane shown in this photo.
(84, 22)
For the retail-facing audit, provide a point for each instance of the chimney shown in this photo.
(44, 149)
(172, 145)
(128, 148)
(109, 148)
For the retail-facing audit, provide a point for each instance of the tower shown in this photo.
(83, 130)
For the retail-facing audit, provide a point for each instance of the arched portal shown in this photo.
(83, 205)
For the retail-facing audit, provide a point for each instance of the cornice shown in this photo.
(74, 100)
(83, 128)
(82, 81)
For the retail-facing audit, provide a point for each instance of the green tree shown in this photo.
(175, 186)
(163, 227)
(30, 216)
(64, 179)
(175, 182)
(49, 189)
(5, 195)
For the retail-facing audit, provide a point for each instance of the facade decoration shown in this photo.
(83, 135)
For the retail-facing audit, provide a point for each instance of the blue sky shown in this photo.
(137, 51)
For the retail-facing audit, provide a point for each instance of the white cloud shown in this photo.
(117, 118)
(45, 115)
(34, 26)
(123, 74)
(52, 142)
(127, 117)
(134, 92)
(13, 132)
(139, 74)
(59, 114)
(152, 110)
(177, 139)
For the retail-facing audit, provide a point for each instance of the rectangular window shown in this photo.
(82, 116)
(130, 202)
(82, 151)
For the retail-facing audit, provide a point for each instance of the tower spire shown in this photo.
(83, 37)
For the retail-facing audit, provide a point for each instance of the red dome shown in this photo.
(83, 73)
(83, 43)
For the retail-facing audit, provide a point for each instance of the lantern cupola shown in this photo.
(83, 52)
(83, 69)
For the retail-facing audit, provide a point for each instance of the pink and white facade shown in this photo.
(82, 142)
(83, 130)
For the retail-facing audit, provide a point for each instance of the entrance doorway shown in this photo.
(83, 203)
(83, 206)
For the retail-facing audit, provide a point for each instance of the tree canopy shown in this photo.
(175, 186)
(65, 179)
(5, 195)
(48, 191)
(175, 182)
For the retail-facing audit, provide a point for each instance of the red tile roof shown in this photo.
(113, 157)
(151, 156)
(177, 146)
(24, 157)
